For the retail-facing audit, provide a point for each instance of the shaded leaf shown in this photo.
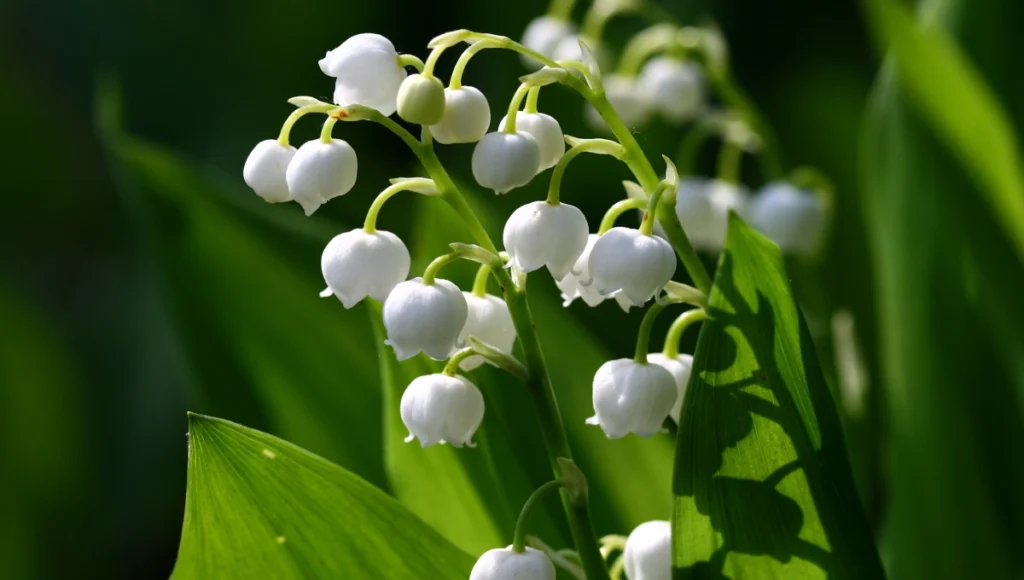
(260, 507)
(762, 485)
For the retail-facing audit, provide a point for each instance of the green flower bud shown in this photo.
(421, 100)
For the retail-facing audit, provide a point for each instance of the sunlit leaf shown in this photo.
(762, 485)
(260, 507)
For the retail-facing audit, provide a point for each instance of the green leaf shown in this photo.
(260, 507)
(952, 334)
(762, 485)
(958, 104)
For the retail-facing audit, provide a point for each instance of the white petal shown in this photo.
(546, 130)
(504, 564)
(424, 318)
(504, 161)
(648, 552)
(265, 170)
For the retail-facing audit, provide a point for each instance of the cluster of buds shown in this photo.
(666, 71)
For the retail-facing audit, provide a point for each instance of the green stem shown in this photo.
(455, 81)
(519, 537)
(600, 146)
(643, 337)
(412, 60)
(513, 107)
(647, 225)
(617, 209)
(370, 223)
(325, 132)
(286, 128)
(435, 54)
(483, 275)
(644, 45)
(439, 262)
(729, 158)
(531, 100)
(452, 366)
(679, 326)
(561, 9)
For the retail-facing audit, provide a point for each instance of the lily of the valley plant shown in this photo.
(665, 72)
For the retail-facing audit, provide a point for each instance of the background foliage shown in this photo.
(141, 280)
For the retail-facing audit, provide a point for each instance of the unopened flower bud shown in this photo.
(626, 260)
(702, 207)
(321, 171)
(358, 264)
(466, 119)
(441, 409)
(673, 87)
(630, 397)
(648, 552)
(578, 283)
(793, 218)
(543, 34)
(506, 564)
(504, 161)
(680, 367)
(265, 170)
(424, 318)
(541, 234)
(626, 98)
(490, 321)
(421, 100)
(367, 72)
(546, 130)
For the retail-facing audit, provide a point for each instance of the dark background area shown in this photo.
(93, 391)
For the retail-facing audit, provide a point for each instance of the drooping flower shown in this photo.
(467, 116)
(631, 397)
(543, 34)
(490, 321)
(578, 283)
(546, 130)
(507, 564)
(702, 207)
(504, 161)
(541, 234)
(672, 87)
(438, 408)
(680, 367)
(265, 170)
(648, 552)
(629, 261)
(367, 72)
(421, 99)
(793, 218)
(424, 318)
(358, 264)
(321, 171)
(626, 98)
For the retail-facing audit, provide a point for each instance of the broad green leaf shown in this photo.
(629, 478)
(951, 332)
(241, 279)
(260, 507)
(762, 485)
(458, 491)
(959, 105)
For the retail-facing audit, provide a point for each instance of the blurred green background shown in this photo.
(111, 330)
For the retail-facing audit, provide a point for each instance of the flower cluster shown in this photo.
(664, 71)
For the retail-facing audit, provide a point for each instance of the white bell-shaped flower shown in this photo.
(466, 119)
(321, 171)
(424, 318)
(673, 87)
(490, 321)
(702, 207)
(648, 552)
(627, 260)
(546, 130)
(367, 72)
(630, 397)
(265, 170)
(680, 367)
(578, 283)
(504, 161)
(358, 264)
(442, 409)
(506, 564)
(541, 234)
(794, 219)
(544, 34)
(568, 48)
(421, 99)
(626, 98)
